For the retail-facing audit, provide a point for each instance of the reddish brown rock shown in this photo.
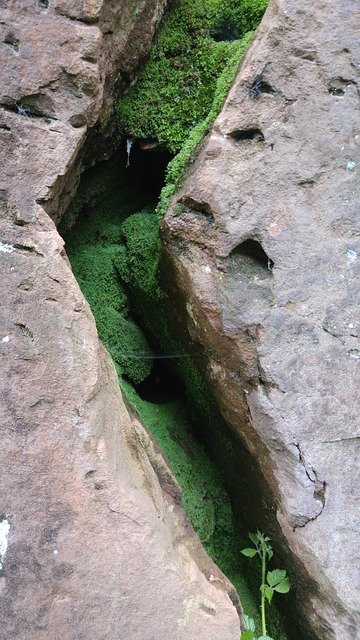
(265, 249)
(91, 546)
(61, 65)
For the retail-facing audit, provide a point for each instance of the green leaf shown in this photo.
(249, 623)
(265, 638)
(249, 552)
(247, 635)
(269, 551)
(260, 536)
(283, 586)
(254, 538)
(276, 576)
(269, 592)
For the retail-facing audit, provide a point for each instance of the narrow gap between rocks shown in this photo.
(111, 233)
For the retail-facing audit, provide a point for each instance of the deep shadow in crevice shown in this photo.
(337, 86)
(224, 32)
(202, 209)
(253, 249)
(162, 385)
(147, 169)
(241, 135)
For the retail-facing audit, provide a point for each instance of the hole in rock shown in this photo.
(190, 205)
(266, 87)
(337, 86)
(35, 105)
(44, 4)
(252, 249)
(12, 41)
(161, 385)
(247, 134)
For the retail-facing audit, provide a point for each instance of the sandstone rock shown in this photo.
(90, 549)
(90, 545)
(63, 62)
(265, 249)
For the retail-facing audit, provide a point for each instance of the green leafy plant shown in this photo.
(271, 581)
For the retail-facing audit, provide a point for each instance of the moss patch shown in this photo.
(177, 85)
(106, 198)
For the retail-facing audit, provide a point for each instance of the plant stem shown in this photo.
(263, 571)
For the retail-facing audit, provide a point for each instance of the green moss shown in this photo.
(204, 498)
(137, 260)
(176, 168)
(233, 18)
(105, 200)
(176, 88)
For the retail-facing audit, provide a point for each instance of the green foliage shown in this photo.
(204, 497)
(233, 18)
(93, 248)
(176, 168)
(137, 260)
(276, 580)
(176, 87)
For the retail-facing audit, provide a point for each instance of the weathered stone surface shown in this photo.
(94, 547)
(90, 545)
(60, 64)
(281, 167)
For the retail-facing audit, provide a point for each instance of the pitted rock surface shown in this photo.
(264, 240)
(91, 546)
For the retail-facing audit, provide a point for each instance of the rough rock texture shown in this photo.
(90, 545)
(60, 62)
(279, 314)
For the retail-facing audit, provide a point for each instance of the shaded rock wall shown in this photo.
(90, 545)
(61, 63)
(263, 239)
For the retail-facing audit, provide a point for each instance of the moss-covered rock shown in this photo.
(138, 258)
(176, 87)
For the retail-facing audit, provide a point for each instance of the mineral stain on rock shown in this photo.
(4, 540)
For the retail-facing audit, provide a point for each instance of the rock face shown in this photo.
(60, 63)
(91, 546)
(263, 239)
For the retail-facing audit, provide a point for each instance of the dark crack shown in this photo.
(121, 513)
(319, 487)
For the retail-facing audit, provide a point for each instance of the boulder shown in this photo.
(91, 545)
(263, 242)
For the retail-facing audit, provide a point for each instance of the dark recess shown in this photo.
(162, 385)
(225, 32)
(12, 41)
(198, 208)
(247, 134)
(253, 249)
(146, 170)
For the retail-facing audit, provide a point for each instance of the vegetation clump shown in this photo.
(138, 257)
(176, 88)
(271, 581)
